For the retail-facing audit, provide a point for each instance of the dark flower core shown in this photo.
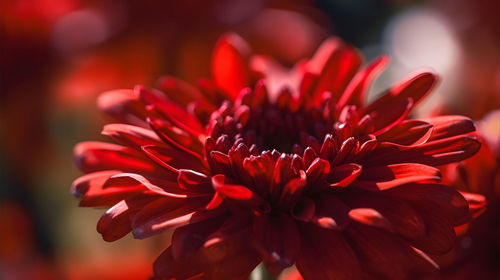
(266, 126)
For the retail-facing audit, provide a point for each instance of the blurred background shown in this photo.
(56, 56)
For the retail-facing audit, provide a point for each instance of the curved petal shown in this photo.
(229, 64)
(338, 69)
(97, 156)
(477, 203)
(433, 153)
(343, 175)
(415, 87)
(115, 223)
(94, 191)
(166, 213)
(408, 133)
(130, 135)
(387, 116)
(156, 186)
(179, 91)
(171, 110)
(123, 106)
(357, 88)
(370, 217)
(383, 177)
(449, 126)
(317, 171)
(92, 180)
(173, 159)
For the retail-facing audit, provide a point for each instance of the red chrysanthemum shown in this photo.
(295, 170)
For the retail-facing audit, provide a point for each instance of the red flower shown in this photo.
(303, 174)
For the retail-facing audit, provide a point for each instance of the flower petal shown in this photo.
(176, 137)
(441, 208)
(442, 198)
(179, 91)
(166, 267)
(326, 255)
(389, 176)
(187, 240)
(277, 241)
(229, 64)
(343, 175)
(175, 113)
(370, 217)
(97, 156)
(123, 106)
(115, 223)
(357, 88)
(386, 256)
(404, 219)
(407, 133)
(156, 186)
(331, 213)
(477, 203)
(166, 213)
(449, 126)
(414, 87)
(173, 159)
(338, 69)
(92, 180)
(317, 171)
(95, 192)
(433, 153)
(386, 117)
(131, 136)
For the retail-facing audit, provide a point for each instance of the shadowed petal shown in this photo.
(386, 256)
(277, 241)
(123, 106)
(326, 255)
(404, 219)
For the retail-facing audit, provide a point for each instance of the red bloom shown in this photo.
(303, 174)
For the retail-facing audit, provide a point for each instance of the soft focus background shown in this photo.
(56, 56)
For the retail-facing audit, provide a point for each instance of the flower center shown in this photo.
(269, 127)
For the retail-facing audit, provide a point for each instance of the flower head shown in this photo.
(285, 167)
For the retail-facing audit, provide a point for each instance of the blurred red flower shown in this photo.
(476, 255)
(290, 169)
